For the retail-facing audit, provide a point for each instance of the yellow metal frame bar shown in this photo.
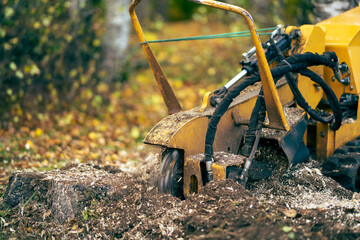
(273, 105)
(167, 92)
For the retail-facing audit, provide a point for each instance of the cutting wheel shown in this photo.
(171, 173)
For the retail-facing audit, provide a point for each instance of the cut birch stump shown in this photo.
(69, 191)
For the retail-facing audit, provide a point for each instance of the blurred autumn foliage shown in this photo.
(48, 53)
(51, 51)
(54, 106)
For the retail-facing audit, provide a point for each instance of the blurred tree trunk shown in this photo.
(115, 39)
(329, 8)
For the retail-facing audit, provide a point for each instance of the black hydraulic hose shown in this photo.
(330, 95)
(328, 59)
(302, 102)
(250, 133)
(215, 118)
(244, 173)
(334, 103)
(294, 89)
(257, 117)
(300, 99)
(297, 63)
(312, 59)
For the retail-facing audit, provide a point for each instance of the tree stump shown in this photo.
(69, 191)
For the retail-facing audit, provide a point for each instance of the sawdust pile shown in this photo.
(300, 204)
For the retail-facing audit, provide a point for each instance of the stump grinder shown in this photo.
(295, 98)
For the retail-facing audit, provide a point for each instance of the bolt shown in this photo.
(333, 78)
(351, 87)
(323, 134)
(317, 88)
(346, 81)
(343, 67)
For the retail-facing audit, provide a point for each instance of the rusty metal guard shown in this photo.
(167, 92)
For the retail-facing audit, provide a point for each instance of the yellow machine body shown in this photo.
(186, 130)
(342, 35)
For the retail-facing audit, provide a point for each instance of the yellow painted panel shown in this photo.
(347, 47)
(354, 54)
(313, 40)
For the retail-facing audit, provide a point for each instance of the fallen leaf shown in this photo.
(287, 229)
(29, 144)
(290, 213)
(38, 132)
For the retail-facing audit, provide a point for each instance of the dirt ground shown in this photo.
(300, 204)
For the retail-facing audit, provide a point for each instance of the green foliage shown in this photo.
(169, 10)
(181, 10)
(297, 11)
(48, 50)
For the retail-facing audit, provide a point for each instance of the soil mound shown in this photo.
(84, 201)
